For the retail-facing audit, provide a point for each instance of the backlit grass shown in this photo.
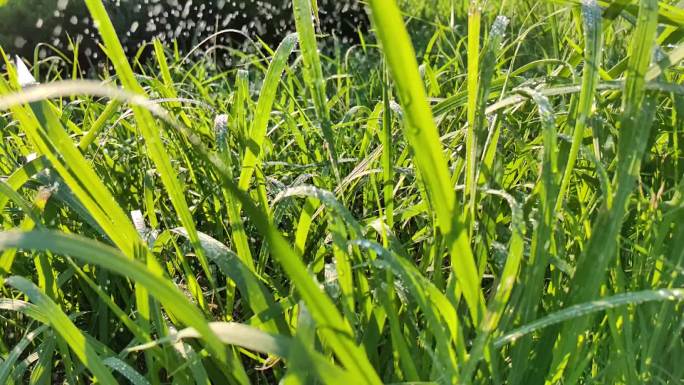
(493, 196)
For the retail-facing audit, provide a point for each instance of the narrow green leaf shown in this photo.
(62, 325)
(593, 45)
(313, 74)
(583, 309)
(148, 128)
(422, 135)
(111, 259)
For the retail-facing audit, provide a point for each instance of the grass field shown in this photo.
(494, 198)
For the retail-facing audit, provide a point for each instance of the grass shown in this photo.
(493, 196)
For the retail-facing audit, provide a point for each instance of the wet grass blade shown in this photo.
(473, 81)
(422, 135)
(66, 329)
(333, 328)
(148, 128)
(259, 298)
(255, 140)
(9, 362)
(497, 305)
(111, 259)
(43, 127)
(635, 126)
(593, 43)
(257, 132)
(583, 309)
(313, 75)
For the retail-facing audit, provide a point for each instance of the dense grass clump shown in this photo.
(494, 198)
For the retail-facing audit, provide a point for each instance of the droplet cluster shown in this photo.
(47, 26)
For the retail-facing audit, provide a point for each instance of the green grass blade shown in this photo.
(148, 127)
(237, 226)
(256, 137)
(387, 153)
(250, 338)
(422, 135)
(50, 139)
(99, 124)
(635, 126)
(126, 370)
(259, 298)
(9, 193)
(335, 331)
(313, 74)
(473, 57)
(23, 307)
(507, 280)
(436, 307)
(22, 175)
(62, 325)
(583, 309)
(541, 247)
(9, 362)
(111, 259)
(267, 95)
(593, 43)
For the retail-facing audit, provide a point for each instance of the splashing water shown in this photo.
(63, 23)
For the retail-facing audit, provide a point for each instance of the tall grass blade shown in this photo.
(593, 43)
(257, 132)
(637, 115)
(583, 309)
(148, 128)
(313, 74)
(111, 259)
(62, 325)
(422, 135)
